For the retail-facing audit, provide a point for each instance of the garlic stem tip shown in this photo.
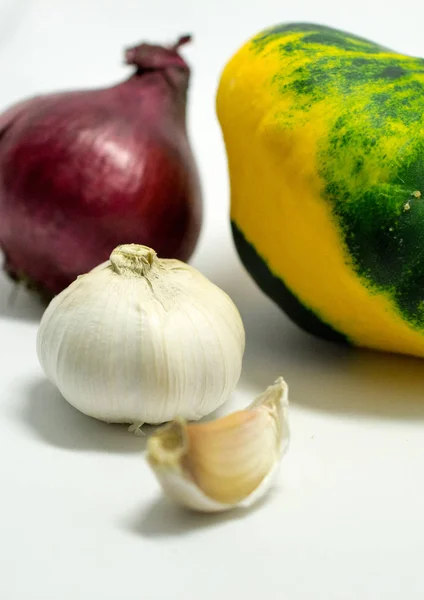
(133, 258)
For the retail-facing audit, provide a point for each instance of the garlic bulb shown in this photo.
(142, 340)
(225, 463)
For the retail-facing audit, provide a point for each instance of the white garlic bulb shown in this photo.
(227, 463)
(142, 340)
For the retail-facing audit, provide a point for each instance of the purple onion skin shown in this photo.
(82, 172)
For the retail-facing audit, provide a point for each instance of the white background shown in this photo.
(81, 516)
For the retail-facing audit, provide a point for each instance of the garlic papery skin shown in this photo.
(141, 340)
(227, 463)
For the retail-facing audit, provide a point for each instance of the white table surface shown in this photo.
(81, 514)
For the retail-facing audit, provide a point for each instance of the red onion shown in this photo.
(82, 172)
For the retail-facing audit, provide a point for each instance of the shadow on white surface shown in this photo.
(369, 384)
(322, 376)
(47, 414)
(16, 302)
(163, 518)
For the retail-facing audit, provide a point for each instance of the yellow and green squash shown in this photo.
(324, 134)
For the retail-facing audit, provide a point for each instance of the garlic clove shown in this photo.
(229, 462)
